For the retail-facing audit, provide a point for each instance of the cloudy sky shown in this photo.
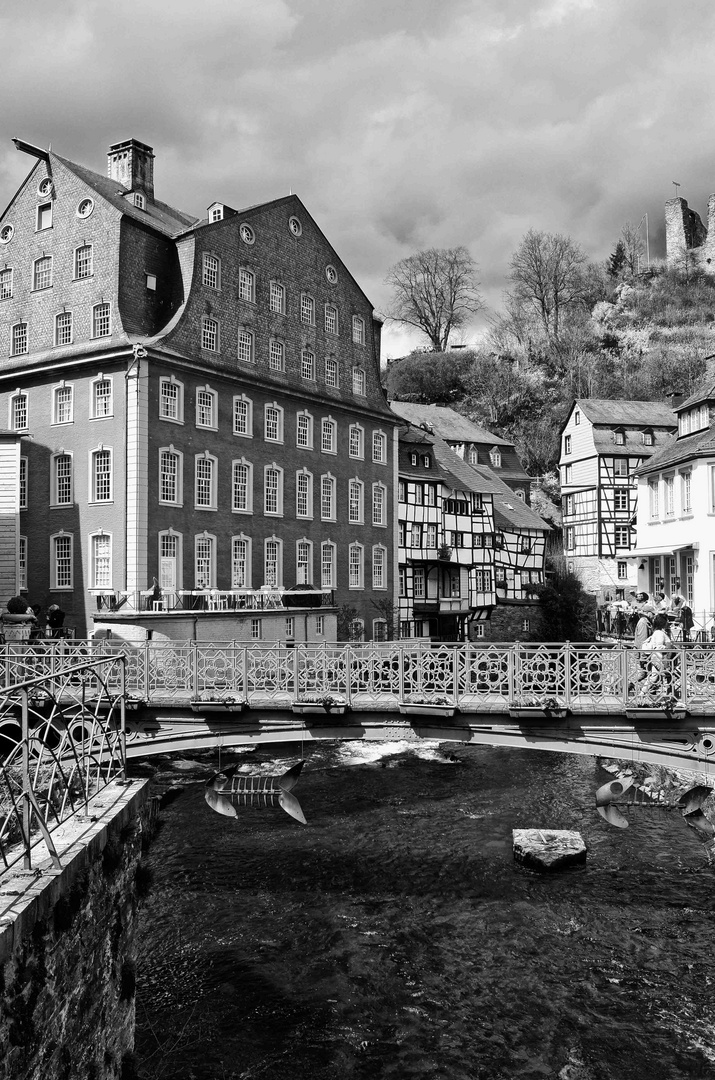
(402, 124)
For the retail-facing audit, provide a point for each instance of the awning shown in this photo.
(662, 549)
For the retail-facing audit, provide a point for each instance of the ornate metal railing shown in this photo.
(477, 677)
(62, 740)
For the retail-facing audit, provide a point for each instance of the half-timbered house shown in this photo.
(603, 443)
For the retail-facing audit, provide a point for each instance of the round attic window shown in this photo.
(6, 234)
(45, 187)
(295, 226)
(331, 274)
(247, 234)
(85, 208)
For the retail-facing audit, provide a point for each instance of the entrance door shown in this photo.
(169, 562)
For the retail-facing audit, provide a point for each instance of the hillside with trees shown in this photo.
(569, 328)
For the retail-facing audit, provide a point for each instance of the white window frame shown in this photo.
(327, 579)
(7, 282)
(276, 355)
(686, 492)
(356, 442)
(179, 500)
(67, 586)
(19, 395)
(68, 324)
(308, 477)
(213, 482)
(103, 586)
(94, 476)
(54, 486)
(327, 424)
(356, 580)
(15, 338)
(358, 330)
(379, 447)
(44, 216)
(23, 482)
(332, 372)
(379, 567)
(178, 538)
(243, 539)
(382, 490)
(246, 285)
(277, 298)
(305, 577)
(94, 385)
(621, 529)
(95, 309)
(307, 429)
(210, 334)
(209, 272)
(46, 273)
(242, 463)
(79, 263)
(22, 563)
(279, 422)
(170, 380)
(248, 402)
(332, 325)
(213, 425)
(246, 345)
(278, 582)
(256, 629)
(359, 382)
(66, 390)
(273, 467)
(356, 501)
(307, 365)
(210, 540)
(331, 482)
(307, 309)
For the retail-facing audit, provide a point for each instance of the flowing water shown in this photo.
(394, 936)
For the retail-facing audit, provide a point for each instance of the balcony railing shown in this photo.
(267, 598)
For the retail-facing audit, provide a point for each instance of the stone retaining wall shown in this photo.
(67, 947)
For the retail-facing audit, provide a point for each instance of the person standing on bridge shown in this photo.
(658, 646)
(643, 631)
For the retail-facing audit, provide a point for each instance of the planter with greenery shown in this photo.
(320, 704)
(424, 705)
(534, 708)
(227, 704)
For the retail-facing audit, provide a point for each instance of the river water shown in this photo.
(393, 936)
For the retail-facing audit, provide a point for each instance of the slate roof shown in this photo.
(447, 423)
(158, 215)
(636, 413)
(699, 444)
(706, 392)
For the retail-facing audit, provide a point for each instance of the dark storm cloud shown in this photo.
(401, 125)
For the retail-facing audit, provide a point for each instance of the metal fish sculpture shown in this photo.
(226, 790)
(690, 805)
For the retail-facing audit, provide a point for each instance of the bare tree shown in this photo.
(435, 291)
(632, 248)
(547, 272)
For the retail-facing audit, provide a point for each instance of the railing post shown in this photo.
(683, 675)
(26, 807)
(401, 672)
(122, 711)
(455, 675)
(347, 660)
(624, 673)
(567, 672)
(244, 661)
(516, 673)
(296, 662)
(194, 669)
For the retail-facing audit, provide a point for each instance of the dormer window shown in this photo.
(647, 438)
(427, 461)
(215, 212)
(577, 418)
(413, 459)
(619, 437)
(139, 200)
(495, 457)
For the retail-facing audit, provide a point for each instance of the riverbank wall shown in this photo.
(67, 945)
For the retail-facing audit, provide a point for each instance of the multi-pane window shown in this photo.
(567, 444)
(211, 271)
(273, 490)
(256, 629)
(327, 565)
(240, 563)
(277, 298)
(63, 328)
(304, 562)
(669, 486)
(19, 338)
(620, 499)
(355, 566)
(622, 536)
(18, 412)
(242, 416)
(418, 583)
(276, 355)
(359, 381)
(687, 501)
(22, 562)
(378, 568)
(328, 436)
(171, 400)
(355, 502)
(331, 371)
(83, 261)
(242, 487)
(416, 535)
(246, 285)
(62, 469)
(42, 276)
(303, 495)
(358, 330)
(6, 283)
(169, 562)
(307, 309)
(620, 470)
(319, 625)
(331, 319)
(307, 364)
(273, 425)
(23, 483)
(44, 216)
(101, 561)
(63, 405)
(205, 552)
(209, 334)
(356, 441)
(246, 351)
(170, 476)
(622, 571)
(379, 447)
(327, 498)
(653, 492)
(101, 322)
(61, 561)
(304, 431)
(379, 500)
(101, 487)
(205, 481)
(272, 566)
(206, 408)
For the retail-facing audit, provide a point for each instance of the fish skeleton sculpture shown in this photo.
(228, 789)
(690, 805)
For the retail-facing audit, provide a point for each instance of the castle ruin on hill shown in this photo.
(686, 236)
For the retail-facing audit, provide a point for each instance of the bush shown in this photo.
(568, 611)
(17, 606)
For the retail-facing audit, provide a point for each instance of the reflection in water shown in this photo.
(394, 936)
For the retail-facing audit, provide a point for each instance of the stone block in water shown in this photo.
(548, 849)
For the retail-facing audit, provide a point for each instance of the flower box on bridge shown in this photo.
(321, 705)
(216, 705)
(537, 712)
(656, 712)
(427, 708)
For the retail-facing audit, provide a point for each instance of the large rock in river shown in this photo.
(548, 849)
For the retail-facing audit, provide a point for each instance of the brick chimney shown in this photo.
(131, 163)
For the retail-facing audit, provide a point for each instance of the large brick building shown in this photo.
(200, 401)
